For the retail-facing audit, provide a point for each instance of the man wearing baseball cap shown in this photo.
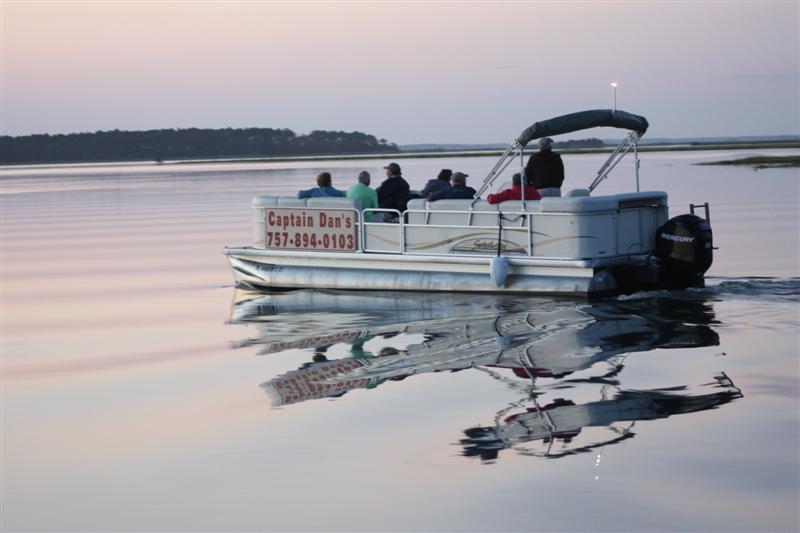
(459, 190)
(545, 169)
(393, 192)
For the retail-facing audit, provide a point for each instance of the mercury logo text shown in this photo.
(677, 238)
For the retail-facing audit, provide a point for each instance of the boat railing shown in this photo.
(402, 225)
(608, 228)
(394, 220)
(509, 223)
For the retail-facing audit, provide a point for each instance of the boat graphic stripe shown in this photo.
(427, 246)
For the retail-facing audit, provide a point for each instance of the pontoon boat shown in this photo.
(581, 243)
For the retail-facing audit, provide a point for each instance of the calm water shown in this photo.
(142, 392)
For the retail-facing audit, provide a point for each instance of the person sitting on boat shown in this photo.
(323, 188)
(545, 169)
(441, 182)
(394, 191)
(362, 192)
(459, 190)
(515, 192)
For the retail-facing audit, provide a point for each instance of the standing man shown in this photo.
(393, 192)
(545, 169)
(362, 192)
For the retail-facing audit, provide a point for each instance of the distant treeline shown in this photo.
(192, 143)
(591, 142)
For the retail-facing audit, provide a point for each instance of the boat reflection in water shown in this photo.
(563, 420)
(512, 339)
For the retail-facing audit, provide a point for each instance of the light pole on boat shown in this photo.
(614, 86)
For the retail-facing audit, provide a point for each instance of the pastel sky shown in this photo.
(406, 71)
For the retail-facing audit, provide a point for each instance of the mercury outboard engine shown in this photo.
(685, 247)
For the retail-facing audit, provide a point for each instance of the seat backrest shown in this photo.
(575, 193)
(512, 206)
(289, 201)
(335, 202)
(578, 204)
(416, 204)
(641, 199)
(443, 212)
(264, 200)
(481, 213)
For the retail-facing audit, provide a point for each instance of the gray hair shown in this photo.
(545, 143)
(363, 177)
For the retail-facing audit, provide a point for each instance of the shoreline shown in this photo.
(410, 155)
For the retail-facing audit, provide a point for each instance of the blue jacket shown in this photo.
(433, 186)
(318, 192)
(453, 193)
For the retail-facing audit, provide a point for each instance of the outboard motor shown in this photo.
(685, 247)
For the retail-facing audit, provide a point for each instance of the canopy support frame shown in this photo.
(574, 122)
(630, 141)
(506, 159)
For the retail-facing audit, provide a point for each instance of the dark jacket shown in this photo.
(393, 193)
(434, 186)
(453, 193)
(545, 169)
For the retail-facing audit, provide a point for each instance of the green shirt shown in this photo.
(368, 197)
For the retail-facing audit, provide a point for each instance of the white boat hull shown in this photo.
(271, 270)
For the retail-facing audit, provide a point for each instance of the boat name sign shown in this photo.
(332, 230)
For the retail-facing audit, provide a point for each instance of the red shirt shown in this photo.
(514, 193)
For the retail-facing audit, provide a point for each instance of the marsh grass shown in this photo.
(761, 161)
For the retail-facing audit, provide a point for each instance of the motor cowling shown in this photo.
(686, 249)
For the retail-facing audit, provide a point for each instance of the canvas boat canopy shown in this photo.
(584, 120)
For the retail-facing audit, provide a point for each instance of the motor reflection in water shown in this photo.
(563, 420)
(512, 339)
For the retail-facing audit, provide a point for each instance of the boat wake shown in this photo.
(757, 287)
(782, 289)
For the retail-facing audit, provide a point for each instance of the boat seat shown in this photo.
(512, 206)
(416, 204)
(289, 201)
(334, 202)
(574, 193)
(578, 204)
(482, 213)
(459, 213)
(641, 199)
(264, 200)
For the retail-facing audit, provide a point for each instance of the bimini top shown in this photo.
(584, 120)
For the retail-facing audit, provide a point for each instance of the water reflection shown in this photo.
(516, 340)
(562, 420)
